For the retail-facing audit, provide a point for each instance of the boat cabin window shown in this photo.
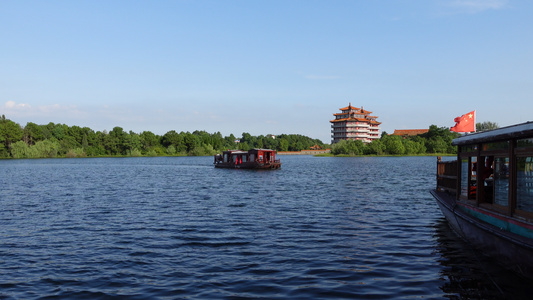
(525, 143)
(496, 146)
(498, 175)
(494, 172)
(468, 177)
(524, 175)
(244, 158)
(524, 182)
(501, 181)
(226, 157)
(493, 175)
(486, 172)
(252, 157)
(469, 148)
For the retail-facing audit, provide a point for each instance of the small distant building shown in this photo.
(316, 147)
(354, 123)
(409, 132)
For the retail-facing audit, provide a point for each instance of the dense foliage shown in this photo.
(485, 126)
(59, 140)
(436, 140)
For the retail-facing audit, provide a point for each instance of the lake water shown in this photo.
(177, 228)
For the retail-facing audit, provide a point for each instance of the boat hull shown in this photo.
(249, 165)
(261, 159)
(513, 251)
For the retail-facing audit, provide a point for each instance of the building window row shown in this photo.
(354, 130)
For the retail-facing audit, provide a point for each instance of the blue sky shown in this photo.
(264, 67)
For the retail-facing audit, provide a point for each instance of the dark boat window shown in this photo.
(464, 177)
(486, 173)
(468, 178)
(524, 182)
(525, 143)
(244, 158)
(501, 181)
(252, 157)
(496, 146)
(225, 157)
(469, 148)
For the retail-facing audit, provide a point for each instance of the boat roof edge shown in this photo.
(504, 133)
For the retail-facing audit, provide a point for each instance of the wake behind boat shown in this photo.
(251, 159)
(486, 194)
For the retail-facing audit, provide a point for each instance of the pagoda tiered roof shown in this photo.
(354, 123)
(354, 112)
(350, 107)
(356, 119)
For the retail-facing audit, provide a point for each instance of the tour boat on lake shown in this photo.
(251, 159)
(486, 194)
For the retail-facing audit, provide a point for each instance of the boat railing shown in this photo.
(447, 176)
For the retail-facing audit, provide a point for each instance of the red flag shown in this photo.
(465, 123)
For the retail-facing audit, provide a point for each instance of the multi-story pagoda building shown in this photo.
(354, 124)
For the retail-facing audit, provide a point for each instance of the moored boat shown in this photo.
(486, 195)
(251, 159)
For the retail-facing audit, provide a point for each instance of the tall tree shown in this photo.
(149, 140)
(10, 132)
(32, 133)
(393, 144)
(485, 126)
(171, 138)
(132, 142)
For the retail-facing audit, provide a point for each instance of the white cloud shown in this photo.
(14, 109)
(15, 105)
(475, 6)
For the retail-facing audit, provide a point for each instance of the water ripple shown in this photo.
(175, 228)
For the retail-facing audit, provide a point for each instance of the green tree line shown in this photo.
(60, 140)
(436, 140)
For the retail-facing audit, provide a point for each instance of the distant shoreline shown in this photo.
(304, 152)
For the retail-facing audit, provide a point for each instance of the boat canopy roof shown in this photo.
(523, 130)
(236, 151)
(249, 151)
